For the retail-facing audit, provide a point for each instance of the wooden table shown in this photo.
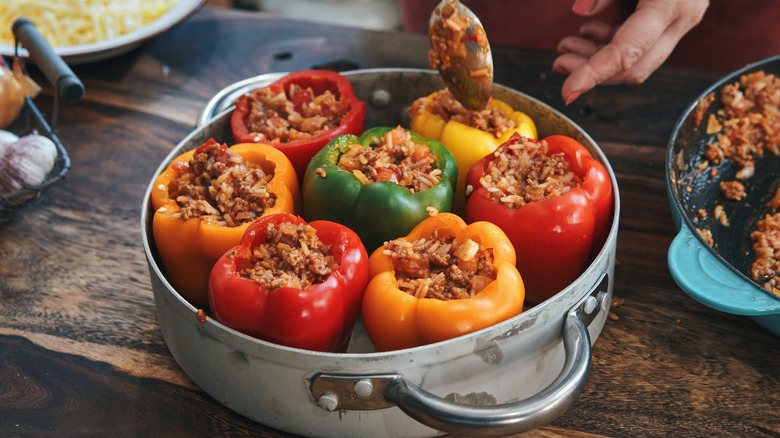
(81, 351)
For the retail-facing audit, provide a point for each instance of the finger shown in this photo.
(640, 46)
(648, 63)
(637, 35)
(593, 36)
(589, 7)
(654, 57)
(598, 31)
(568, 62)
(580, 46)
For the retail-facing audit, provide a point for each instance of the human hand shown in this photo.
(629, 53)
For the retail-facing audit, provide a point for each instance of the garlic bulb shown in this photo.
(7, 137)
(25, 162)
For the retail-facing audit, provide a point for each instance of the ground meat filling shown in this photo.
(766, 246)
(747, 127)
(446, 107)
(303, 114)
(733, 190)
(749, 123)
(702, 106)
(218, 186)
(291, 256)
(395, 158)
(774, 203)
(524, 173)
(448, 39)
(441, 267)
(706, 234)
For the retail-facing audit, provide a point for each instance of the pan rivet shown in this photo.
(381, 99)
(364, 388)
(603, 298)
(589, 305)
(328, 401)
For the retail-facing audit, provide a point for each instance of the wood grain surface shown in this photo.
(81, 352)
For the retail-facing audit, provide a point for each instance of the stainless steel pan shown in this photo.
(508, 378)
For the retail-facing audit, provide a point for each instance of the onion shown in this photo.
(25, 162)
(14, 87)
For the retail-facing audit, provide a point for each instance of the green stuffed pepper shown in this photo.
(381, 184)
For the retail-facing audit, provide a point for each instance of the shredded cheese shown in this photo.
(73, 22)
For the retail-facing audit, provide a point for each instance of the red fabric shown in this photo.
(733, 33)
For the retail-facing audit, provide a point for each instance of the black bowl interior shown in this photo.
(692, 190)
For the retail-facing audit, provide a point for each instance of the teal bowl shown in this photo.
(719, 276)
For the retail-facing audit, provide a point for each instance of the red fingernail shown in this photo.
(582, 7)
(572, 97)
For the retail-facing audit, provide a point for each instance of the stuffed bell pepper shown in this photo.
(381, 184)
(205, 201)
(468, 134)
(443, 280)
(299, 114)
(553, 200)
(292, 283)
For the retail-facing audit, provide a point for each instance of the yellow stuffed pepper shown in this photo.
(440, 117)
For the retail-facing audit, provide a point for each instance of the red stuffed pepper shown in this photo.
(553, 200)
(292, 283)
(298, 114)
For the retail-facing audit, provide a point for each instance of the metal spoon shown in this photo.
(461, 52)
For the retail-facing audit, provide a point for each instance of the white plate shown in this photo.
(101, 50)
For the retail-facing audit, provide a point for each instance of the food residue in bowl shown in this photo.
(746, 128)
(766, 246)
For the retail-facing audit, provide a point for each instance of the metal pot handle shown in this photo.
(462, 419)
(68, 85)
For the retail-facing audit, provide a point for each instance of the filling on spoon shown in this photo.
(461, 52)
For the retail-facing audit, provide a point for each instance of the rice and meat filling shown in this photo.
(448, 39)
(749, 123)
(303, 114)
(441, 267)
(733, 190)
(395, 158)
(219, 186)
(524, 173)
(766, 246)
(444, 105)
(291, 256)
(748, 126)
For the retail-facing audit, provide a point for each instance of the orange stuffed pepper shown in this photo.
(443, 280)
(205, 201)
